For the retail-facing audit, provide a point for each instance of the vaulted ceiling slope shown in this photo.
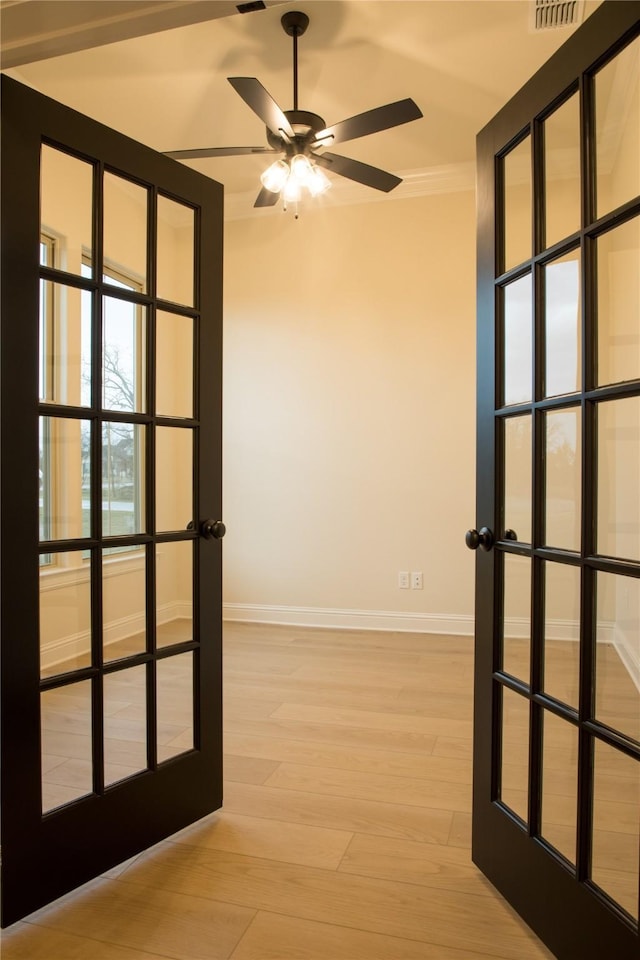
(460, 60)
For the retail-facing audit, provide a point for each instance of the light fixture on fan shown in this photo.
(299, 136)
(293, 178)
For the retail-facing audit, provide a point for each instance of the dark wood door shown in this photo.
(111, 464)
(556, 806)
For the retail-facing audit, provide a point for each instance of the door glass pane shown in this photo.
(616, 827)
(563, 340)
(517, 616)
(67, 767)
(123, 357)
(124, 620)
(618, 530)
(123, 472)
(174, 365)
(125, 723)
(518, 365)
(514, 773)
(65, 614)
(517, 478)
(174, 694)
(66, 195)
(174, 473)
(562, 171)
(559, 784)
(125, 226)
(618, 270)
(618, 653)
(64, 478)
(617, 97)
(65, 345)
(561, 632)
(517, 204)
(174, 593)
(563, 479)
(175, 263)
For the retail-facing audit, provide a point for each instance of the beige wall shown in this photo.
(350, 411)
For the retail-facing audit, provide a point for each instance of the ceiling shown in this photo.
(460, 60)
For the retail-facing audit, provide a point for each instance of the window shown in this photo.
(65, 377)
(123, 390)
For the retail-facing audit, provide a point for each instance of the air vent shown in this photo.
(549, 14)
(251, 7)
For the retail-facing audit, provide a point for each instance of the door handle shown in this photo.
(482, 538)
(212, 529)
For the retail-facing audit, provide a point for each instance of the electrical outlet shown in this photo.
(403, 579)
(416, 579)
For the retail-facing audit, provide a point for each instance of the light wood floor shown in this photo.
(345, 833)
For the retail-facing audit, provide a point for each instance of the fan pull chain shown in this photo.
(296, 214)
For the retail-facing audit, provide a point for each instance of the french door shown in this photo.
(556, 808)
(111, 497)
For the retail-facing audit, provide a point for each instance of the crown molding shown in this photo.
(427, 181)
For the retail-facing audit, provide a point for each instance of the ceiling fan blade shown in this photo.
(216, 152)
(262, 103)
(360, 172)
(381, 118)
(266, 198)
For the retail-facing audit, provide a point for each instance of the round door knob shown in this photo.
(479, 538)
(212, 529)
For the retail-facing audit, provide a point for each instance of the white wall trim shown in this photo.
(519, 628)
(421, 182)
(568, 630)
(628, 653)
(337, 618)
(345, 619)
(57, 578)
(66, 648)
(75, 644)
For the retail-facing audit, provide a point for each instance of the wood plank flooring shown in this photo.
(345, 833)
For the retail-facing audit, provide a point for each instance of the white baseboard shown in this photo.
(519, 628)
(67, 648)
(76, 644)
(338, 618)
(629, 655)
(568, 630)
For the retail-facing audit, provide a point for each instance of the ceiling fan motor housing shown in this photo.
(305, 126)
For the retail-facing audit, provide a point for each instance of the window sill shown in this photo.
(54, 578)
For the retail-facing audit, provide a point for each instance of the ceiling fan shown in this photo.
(299, 136)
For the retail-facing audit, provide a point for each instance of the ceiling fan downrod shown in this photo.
(294, 23)
(298, 136)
